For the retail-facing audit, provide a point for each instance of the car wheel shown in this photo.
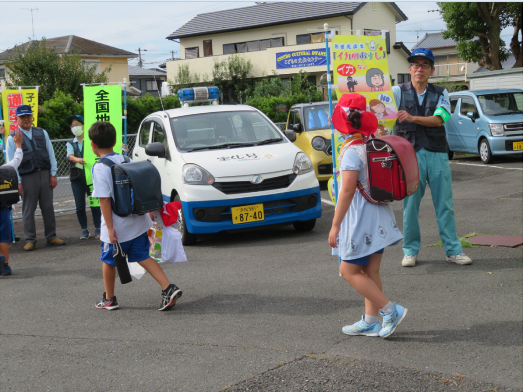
(484, 152)
(302, 226)
(187, 238)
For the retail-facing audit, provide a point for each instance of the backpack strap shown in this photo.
(366, 195)
(110, 163)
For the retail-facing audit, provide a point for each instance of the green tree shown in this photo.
(34, 64)
(139, 108)
(476, 27)
(233, 77)
(53, 114)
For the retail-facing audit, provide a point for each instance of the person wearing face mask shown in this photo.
(75, 152)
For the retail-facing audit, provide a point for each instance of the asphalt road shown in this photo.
(263, 310)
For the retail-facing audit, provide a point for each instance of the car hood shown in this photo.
(326, 133)
(506, 118)
(244, 161)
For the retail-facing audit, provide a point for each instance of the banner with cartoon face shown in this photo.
(361, 66)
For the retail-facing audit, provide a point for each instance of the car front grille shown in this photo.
(231, 188)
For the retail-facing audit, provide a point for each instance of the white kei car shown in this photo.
(230, 167)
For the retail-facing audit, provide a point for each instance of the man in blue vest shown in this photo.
(36, 177)
(423, 109)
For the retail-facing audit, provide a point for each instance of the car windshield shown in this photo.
(502, 103)
(316, 117)
(223, 130)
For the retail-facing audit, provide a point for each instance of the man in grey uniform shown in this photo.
(36, 177)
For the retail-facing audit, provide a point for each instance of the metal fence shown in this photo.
(63, 199)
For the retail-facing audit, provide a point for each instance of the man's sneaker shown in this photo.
(461, 259)
(109, 304)
(362, 328)
(6, 270)
(409, 261)
(392, 320)
(169, 296)
(96, 234)
(85, 234)
(55, 242)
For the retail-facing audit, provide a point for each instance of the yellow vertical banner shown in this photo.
(11, 99)
(360, 65)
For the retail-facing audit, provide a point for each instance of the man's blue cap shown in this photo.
(23, 110)
(77, 117)
(422, 53)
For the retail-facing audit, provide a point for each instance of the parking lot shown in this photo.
(263, 310)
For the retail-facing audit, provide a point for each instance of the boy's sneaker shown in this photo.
(109, 304)
(409, 261)
(461, 259)
(362, 328)
(392, 320)
(96, 234)
(6, 270)
(85, 234)
(169, 297)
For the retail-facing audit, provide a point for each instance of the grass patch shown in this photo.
(464, 242)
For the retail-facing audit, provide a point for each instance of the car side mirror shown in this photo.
(155, 150)
(471, 116)
(297, 128)
(291, 135)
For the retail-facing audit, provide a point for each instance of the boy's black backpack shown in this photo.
(8, 186)
(137, 187)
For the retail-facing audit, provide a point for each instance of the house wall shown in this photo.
(511, 78)
(448, 63)
(119, 67)
(371, 16)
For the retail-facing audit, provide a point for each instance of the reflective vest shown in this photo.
(36, 156)
(430, 138)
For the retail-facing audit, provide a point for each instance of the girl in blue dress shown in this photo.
(362, 229)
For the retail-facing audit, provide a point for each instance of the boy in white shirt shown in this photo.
(129, 231)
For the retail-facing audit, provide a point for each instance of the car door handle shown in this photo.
(135, 154)
(459, 122)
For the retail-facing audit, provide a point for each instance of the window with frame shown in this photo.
(453, 104)
(253, 46)
(207, 47)
(151, 85)
(468, 105)
(192, 53)
(159, 137)
(302, 39)
(145, 129)
(404, 78)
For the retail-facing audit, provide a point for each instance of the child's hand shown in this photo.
(333, 236)
(18, 138)
(151, 215)
(112, 235)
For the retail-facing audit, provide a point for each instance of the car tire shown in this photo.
(187, 238)
(484, 152)
(303, 226)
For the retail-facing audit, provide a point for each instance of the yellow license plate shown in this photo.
(516, 146)
(247, 214)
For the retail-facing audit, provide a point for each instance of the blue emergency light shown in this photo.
(199, 94)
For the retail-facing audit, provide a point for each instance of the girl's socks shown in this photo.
(388, 308)
(371, 319)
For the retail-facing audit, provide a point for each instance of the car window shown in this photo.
(468, 105)
(145, 129)
(453, 104)
(160, 137)
(316, 117)
(503, 103)
(215, 129)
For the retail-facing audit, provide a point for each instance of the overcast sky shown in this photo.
(132, 24)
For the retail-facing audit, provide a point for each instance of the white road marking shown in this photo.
(327, 202)
(487, 166)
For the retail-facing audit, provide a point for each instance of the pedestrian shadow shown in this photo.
(38, 272)
(263, 304)
(495, 334)
(484, 264)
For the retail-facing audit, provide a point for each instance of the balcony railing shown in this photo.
(454, 69)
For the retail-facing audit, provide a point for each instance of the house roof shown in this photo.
(434, 40)
(68, 43)
(507, 64)
(268, 14)
(137, 71)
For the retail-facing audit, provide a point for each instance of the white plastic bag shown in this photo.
(136, 270)
(172, 248)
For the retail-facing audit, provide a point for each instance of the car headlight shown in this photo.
(319, 143)
(302, 164)
(496, 129)
(196, 175)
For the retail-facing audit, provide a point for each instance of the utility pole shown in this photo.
(172, 54)
(32, 20)
(140, 63)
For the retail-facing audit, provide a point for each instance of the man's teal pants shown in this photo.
(433, 169)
